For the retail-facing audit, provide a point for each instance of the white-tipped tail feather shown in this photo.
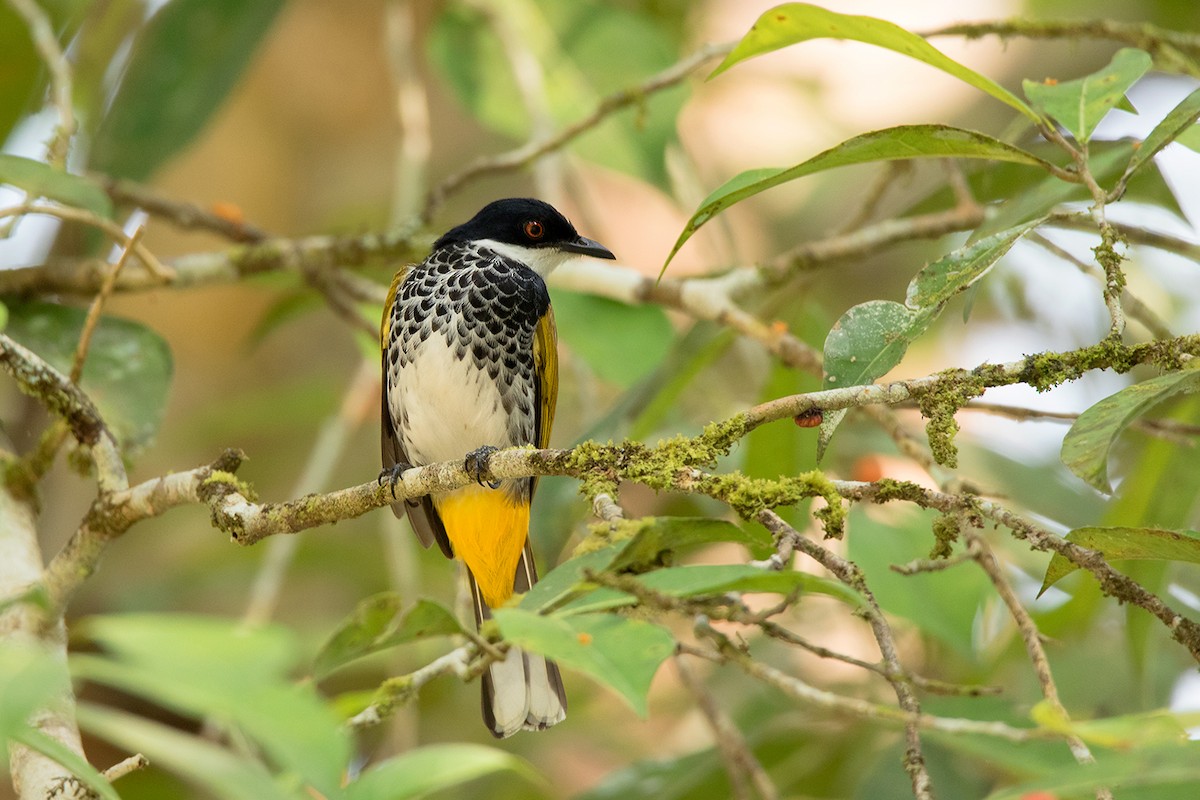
(524, 691)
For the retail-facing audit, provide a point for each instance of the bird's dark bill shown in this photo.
(587, 247)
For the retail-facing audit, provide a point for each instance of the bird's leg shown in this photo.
(476, 465)
(392, 474)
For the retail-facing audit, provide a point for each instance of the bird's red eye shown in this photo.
(535, 229)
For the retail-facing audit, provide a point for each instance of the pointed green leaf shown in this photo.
(38, 179)
(644, 544)
(1080, 104)
(1180, 120)
(377, 624)
(699, 580)
(1085, 447)
(891, 144)
(830, 420)
(623, 654)
(202, 762)
(213, 648)
(183, 65)
(564, 581)
(434, 768)
(708, 579)
(1118, 543)
(936, 283)
(792, 23)
(212, 667)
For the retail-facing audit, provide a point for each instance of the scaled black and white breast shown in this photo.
(465, 322)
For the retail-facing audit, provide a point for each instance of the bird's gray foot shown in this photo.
(392, 475)
(476, 465)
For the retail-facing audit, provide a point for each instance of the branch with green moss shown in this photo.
(1173, 51)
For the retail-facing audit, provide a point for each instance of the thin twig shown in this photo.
(132, 764)
(188, 216)
(743, 768)
(531, 151)
(1033, 643)
(849, 573)
(93, 314)
(1133, 306)
(802, 692)
(46, 42)
(162, 273)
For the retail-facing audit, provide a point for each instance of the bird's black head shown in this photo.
(527, 224)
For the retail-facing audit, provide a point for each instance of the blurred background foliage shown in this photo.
(285, 114)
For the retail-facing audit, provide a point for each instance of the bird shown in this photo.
(470, 364)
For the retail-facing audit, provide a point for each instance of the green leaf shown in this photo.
(29, 679)
(891, 144)
(699, 580)
(936, 283)
(1180, 120)
(1190, 138)
(792, 23)
(377, 624)
(20, 69)
(38, 179)
(128, 369)
(184, 63)
(573, 44)
(213, 668)
(619, 342)
(708, 579)
(1123, 732)
(622, 654)
(1117, 543)
(1169, 766)
(1085, 447)
(215, 768)
(434, 768)
(75, 763)
(869, 340)
(1025, 203)
(647, 543)
(657, 537)
(212, 650)
(564, 581)
(1080, 104)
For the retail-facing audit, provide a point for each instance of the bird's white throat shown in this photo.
(542, 260)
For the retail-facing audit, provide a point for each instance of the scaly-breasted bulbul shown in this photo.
(470, 364)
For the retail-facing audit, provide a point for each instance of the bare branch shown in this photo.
(179, 213)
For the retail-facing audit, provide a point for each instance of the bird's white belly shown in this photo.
(452, 407)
